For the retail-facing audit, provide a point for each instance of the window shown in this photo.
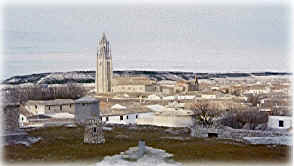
(281, 123)
(94, 129)
(107, 119)
(212, 135)
(101, 118)
(60, 107)
(121, 118)
(49, 107)
(36, 107)
(136, 116)
(127, 117)
(69, 105)
(83, 104)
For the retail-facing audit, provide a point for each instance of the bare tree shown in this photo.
(203, 114)
(37, 92)
(253, 99)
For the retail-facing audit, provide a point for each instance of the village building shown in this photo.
(279, 122)
(257, 89)
(120, 114)
(181, 87)
(86, 108)
(38, 107)
(167, 89)
(133, 85)
(168, 117)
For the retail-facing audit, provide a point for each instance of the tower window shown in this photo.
(121, 118)
(94, 129)
(36, 107)
(61, 108)
(107, 119)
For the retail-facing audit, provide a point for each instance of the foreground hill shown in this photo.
(89, 76)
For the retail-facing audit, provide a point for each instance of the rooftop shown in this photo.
(50, 102)
(87, 99)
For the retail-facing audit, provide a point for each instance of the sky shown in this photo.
(181, 37)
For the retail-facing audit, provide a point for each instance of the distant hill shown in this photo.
(89, 76)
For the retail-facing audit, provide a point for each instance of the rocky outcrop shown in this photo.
(89, 76)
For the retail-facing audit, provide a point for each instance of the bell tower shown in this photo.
(103, 66)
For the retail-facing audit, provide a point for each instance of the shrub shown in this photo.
(238, 119)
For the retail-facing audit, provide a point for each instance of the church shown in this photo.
(107, 83)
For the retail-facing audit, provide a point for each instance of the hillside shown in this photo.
(89, 76)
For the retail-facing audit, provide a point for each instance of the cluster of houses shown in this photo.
(138, 84)
(66, 111)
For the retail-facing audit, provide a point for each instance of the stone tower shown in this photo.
(104, 66)
(94, 132)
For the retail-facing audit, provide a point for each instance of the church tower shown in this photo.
(104, 66)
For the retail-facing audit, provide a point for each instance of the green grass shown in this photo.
(66, 144)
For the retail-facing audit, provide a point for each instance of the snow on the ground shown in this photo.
(61, 115)
(118, 106)
(152, 156)
(156, 107)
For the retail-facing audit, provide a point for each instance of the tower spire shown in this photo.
(104, 36)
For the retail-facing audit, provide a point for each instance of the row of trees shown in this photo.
(41, 92)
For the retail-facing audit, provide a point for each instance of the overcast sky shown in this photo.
(180, 37)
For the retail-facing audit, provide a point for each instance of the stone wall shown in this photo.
(10, 115)
(59, 108)
(35, 109)
(236, 134)
(94, 132)
(129, 88)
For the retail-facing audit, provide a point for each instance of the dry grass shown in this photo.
(65, 144)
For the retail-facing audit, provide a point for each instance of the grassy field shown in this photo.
(66, 144)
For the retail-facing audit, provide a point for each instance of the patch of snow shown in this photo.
(156, 107)
(169, 98)
(63, 115)
(152, 156)
(118, 106)
(107, 128)
(153, 97)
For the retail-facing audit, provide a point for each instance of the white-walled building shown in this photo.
(119, 114)
(168, 117)
(279, 122)
(38, 107)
